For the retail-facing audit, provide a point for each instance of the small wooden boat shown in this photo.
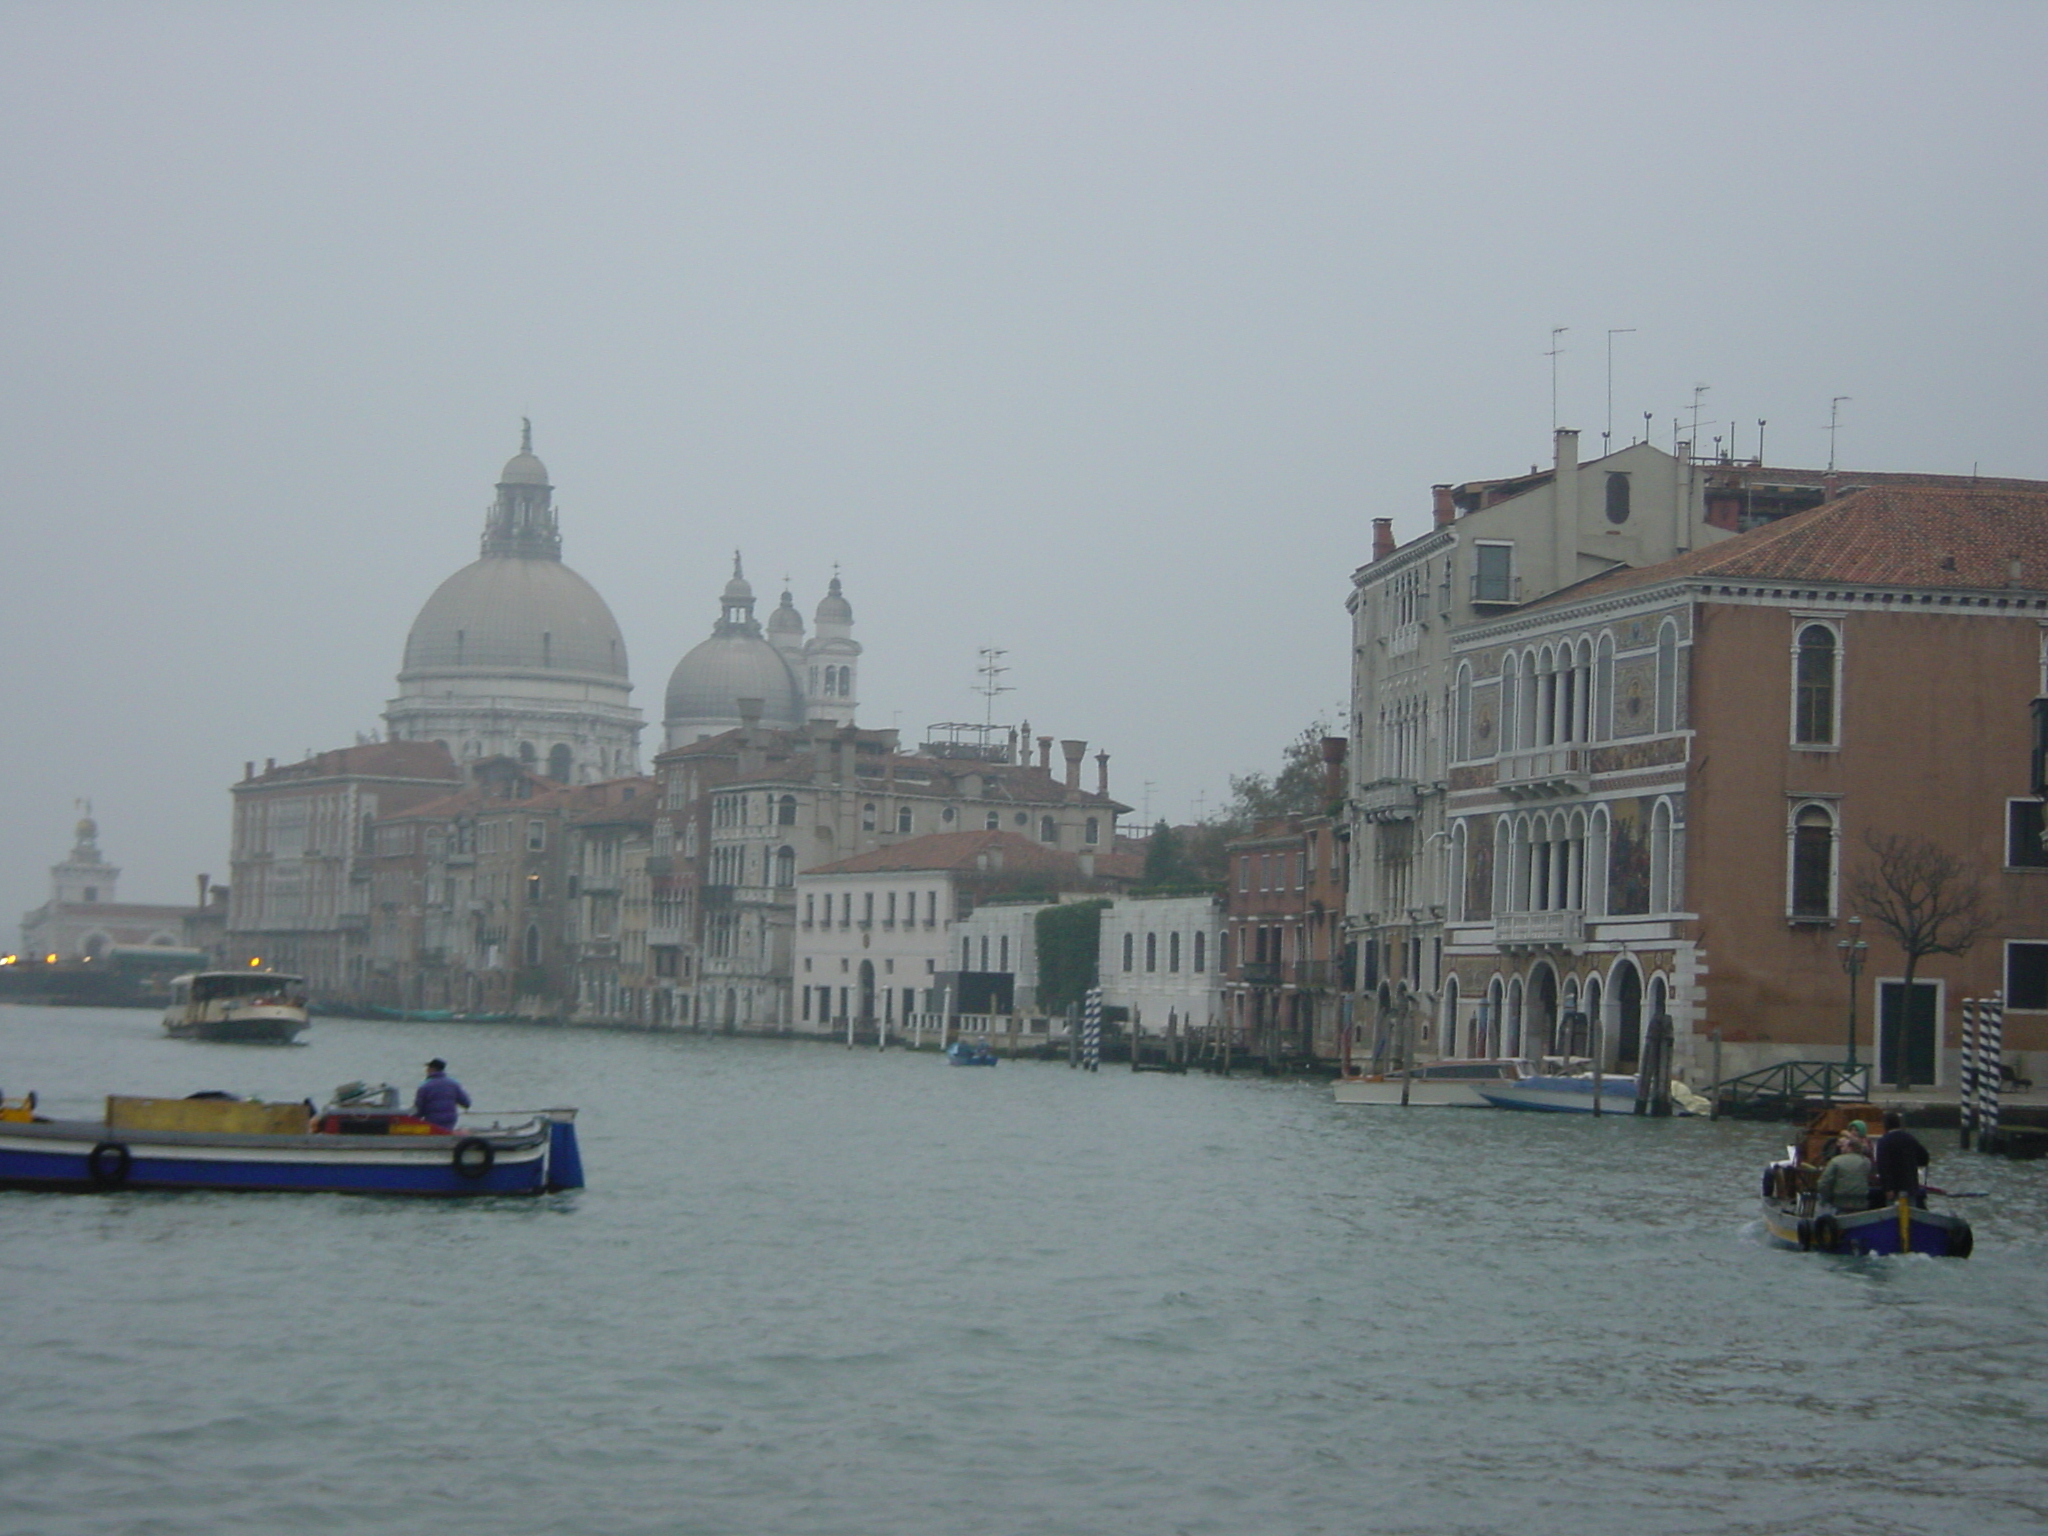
(1792, 1218)
(1458, 1083)
(246, 1007)
(216, 1143)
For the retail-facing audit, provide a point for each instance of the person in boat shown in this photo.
(439, 1100)
(1898, 1160)
(1844, 1184)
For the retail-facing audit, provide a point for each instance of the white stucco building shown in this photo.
(1160, 959)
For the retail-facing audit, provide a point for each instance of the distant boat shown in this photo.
(971, 1053)
(1563, 1095)
(1793, 1219)
(432, 1015)
(246, 1007)
(1448, 1083)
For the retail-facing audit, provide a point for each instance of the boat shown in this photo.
(1792, 1220)
(360, 1144)
(1452, 1082)
(971, 1053)
(1563, 1094)
(247, 1007)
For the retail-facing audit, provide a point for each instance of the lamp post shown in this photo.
(1853, 952)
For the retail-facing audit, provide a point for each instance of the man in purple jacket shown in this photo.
(439, 1100)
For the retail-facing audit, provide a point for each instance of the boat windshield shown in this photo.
(244, 984)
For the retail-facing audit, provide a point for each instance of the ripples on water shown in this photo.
(812, 1291)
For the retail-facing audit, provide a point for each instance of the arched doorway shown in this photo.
(867, 992)
(1488, 1042)
(1628, 1015)
(1450, 1026)
(1542, 1030)
(1513, 1022)
(1595, 1025)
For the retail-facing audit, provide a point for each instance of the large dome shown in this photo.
(505, 613)
(708, 684)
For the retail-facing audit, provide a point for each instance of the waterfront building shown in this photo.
(1664, 785)
(84, 919)
(1161, 961)
(1287, 963)
(515, 655)
(302, 835)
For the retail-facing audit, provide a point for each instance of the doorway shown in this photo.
(1906, 1055)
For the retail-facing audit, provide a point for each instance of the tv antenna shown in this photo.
(991, 685)
(1699, 392)
(1834, 421)
(1555, 350)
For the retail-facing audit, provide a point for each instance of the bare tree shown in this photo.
(1927, 899)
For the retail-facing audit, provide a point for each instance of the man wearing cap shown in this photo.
(439, 1100)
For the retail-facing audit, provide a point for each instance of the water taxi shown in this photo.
(248, 1007)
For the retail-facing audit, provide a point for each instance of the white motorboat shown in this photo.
(1455, 1082)
(260, 1007)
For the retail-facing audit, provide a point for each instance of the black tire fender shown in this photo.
(109, 1163)
(473, 1157)
(1961, 1240)
(1826, 1234)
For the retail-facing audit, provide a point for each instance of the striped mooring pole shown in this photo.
(1091, 1031)
(1966, 1088)
(1990, 1053)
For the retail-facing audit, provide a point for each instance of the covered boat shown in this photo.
(1451, 1083)
(249, 1007)
(363, 1145)
(1793, 1219)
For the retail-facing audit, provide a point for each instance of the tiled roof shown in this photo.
(959, 851)
(1916, 536)
(376, 759)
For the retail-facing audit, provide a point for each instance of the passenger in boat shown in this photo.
(1845, 1183)
(1899, 1158)
(439, 1100)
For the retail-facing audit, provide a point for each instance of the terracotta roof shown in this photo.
(1917, 536)
(962, 852)
(376, 759)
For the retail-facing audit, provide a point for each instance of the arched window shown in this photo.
(1461, 716)
(1223, 950)
(1151, 952)
(1513, 1026)
(1091, 831)
(1130, 943)
(1510, 698)
(558, 763)
(903, 818)
(1661, 895)
(1813, 862)
(1450, 1019)
(1173, 951)
(785, 866)
(527, 756)
(1814, 673)
(1667, 677)
(1048, 830)
(785, 811)
(1201, 948)
(1617, 497)
(994, 821)
(1603, 690)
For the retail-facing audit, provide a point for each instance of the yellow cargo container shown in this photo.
(241, 1117)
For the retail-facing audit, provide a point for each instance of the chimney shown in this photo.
(1102, 774)
(1333, 766)
(1045, 754)
(249, 770)
(204, 881)
(1831, 486)
(1444, 509)
(1074, 751)
(1382, 537)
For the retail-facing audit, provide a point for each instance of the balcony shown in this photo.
(1544, 771)
(1388, 800)
(1260, 973)
(1560, 927)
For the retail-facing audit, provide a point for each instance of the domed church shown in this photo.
(795, 679)
(516, 655)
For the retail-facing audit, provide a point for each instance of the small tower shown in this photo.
(786, 631)
(832, 661)
(84, 879)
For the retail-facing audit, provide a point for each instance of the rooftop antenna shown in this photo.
(991, 685)
(1646, 426)
(1759, 442)
(1834, 421)
(1626, 330)
(1555, 332)
(1698, 393)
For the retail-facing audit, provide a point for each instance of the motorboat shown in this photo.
(247, 1007)
(361, 1143)
(1451, 1082)
(971, 1053)
(1577, 1094)
(1793, 1218)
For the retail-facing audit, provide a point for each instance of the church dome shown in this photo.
(708, 684)
(510, 614)
(833, 607)
(524, 469)
(785, 620)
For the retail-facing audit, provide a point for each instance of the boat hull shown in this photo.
(1887, 1230)
(246, 1026)
(85, 1156)
(1564, 1095)
(1359, 1090)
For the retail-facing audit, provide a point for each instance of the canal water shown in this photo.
(813, 1292)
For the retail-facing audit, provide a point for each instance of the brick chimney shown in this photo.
(1102, 774)
(1382, 537)
(1074, 751)
(1045, 754)
(1442, 507)
(1334, 748)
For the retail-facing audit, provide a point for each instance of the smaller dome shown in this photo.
(738, 590)
(707, 685)
(524, 469)
(88, 829)
(833, 607)
(785, 620)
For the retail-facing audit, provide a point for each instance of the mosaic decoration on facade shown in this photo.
(1479, 867)
(1628, 859)
(1635, 696)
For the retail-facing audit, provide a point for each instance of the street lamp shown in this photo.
(1853, 951)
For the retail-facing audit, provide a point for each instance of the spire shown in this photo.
(521, 521)
(736, 604)
(526, 434)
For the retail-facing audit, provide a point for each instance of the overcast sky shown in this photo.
(1098, 333)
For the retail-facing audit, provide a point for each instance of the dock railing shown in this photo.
(1784, 1087)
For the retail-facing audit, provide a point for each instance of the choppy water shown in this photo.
(811, 1291)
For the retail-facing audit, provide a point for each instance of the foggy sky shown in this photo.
(1097, 332)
